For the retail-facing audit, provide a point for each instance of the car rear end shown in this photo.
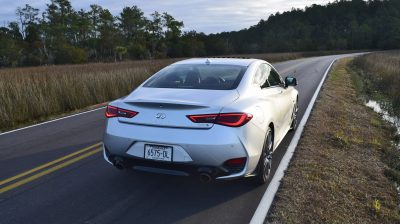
(182, 131)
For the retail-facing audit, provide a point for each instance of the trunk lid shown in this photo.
(164, 107)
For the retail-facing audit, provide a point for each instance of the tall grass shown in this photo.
(28, 94)
(381, 74)
(35, 93)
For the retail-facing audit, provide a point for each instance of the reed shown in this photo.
(381, 73)
(32, 94)
(29, 94)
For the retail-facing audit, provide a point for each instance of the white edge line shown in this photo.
(46, 122)
(266, 201)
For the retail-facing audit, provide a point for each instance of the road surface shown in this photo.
(83, 188)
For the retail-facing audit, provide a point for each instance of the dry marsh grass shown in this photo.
(29, 94)
(32, 94)
(337, 175)
(380, 74)
(378, 77)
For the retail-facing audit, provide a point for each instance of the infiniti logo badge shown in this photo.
(160, 116)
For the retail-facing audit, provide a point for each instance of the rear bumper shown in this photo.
(173, 168)
(206, 148)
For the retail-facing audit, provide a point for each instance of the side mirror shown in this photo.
(290, 81)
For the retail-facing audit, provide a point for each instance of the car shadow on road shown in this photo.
(157, 198)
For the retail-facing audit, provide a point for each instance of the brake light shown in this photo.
(234, 119)
(112, 111)
(227, 119)
(203, 118)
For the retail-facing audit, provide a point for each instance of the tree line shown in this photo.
(341, 25)
(61, 34)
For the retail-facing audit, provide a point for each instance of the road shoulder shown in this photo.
(336, 174)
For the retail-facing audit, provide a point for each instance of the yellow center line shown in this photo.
(48, 164)
(48, 171)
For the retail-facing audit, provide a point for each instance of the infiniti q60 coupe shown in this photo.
(217, 118)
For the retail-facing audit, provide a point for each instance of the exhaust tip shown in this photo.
(205, 177)
(119, 163)
(119, 166)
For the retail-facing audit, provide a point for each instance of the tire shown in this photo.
(293, 125)
(265, 163)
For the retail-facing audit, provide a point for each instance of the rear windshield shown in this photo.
(198, 76)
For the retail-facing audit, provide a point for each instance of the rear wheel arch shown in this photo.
(264, 166)
(271, 125)
(294, 121)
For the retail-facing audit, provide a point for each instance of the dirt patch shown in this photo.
(336, 174)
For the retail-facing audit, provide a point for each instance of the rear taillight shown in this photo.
(227, 119)
(203, 118)
(112, 111)
(234, 119)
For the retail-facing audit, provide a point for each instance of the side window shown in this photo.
(261, 76)
(274, 78)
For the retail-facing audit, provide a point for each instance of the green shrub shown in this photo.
(68, 54)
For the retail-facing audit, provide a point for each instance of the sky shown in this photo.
(208, 16)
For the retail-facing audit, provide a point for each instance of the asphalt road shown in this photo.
(92, 191)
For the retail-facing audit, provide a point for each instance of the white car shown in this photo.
(216, 118)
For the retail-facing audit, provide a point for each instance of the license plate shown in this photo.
(158, 152)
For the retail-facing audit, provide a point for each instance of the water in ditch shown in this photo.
(380, 109)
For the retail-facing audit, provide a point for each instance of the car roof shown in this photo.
(219, 61)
